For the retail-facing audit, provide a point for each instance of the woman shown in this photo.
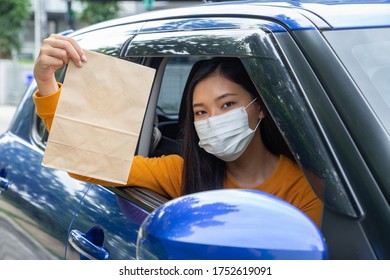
(230, 141)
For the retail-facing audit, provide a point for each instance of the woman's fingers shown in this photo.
(72, 48)
(56, 51)
(48, 52)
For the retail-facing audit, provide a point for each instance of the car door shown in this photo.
(354, 117)
(36, 203)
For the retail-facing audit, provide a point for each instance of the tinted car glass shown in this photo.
(365, 53)
(98, 39)
(172, 86)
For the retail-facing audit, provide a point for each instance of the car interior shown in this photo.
(168, 130)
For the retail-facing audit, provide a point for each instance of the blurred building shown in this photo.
(53, 17)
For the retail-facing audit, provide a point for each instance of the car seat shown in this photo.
(161, 145)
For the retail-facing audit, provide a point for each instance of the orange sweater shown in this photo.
(164, 174)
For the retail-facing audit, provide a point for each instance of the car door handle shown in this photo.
(86, 247)
(4, 183)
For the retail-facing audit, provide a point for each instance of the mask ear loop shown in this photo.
(258, 123)
(250, 103)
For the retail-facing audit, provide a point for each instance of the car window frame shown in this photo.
(142, 46)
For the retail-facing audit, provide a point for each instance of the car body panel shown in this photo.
(39, 201)
(119, 219)
(295, 15)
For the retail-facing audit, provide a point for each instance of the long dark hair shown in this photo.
(203, 171)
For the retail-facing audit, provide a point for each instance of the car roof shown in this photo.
(292, 14)
(351, 14)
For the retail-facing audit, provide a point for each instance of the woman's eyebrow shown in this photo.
(225, 95)
(197, 105)
(216, 99)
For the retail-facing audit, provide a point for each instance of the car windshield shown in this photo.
(365, 53)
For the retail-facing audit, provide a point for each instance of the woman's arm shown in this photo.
(162, 175)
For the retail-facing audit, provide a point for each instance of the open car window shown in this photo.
(284, 97)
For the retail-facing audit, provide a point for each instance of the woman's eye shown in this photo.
(227, 104)
(199, 113)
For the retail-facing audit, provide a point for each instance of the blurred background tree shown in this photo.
(13, 15)
(99, 10)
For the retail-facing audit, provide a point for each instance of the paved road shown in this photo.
(14, 245)
(17, 245)
(6, 115)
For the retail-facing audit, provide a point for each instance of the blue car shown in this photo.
(325, 66)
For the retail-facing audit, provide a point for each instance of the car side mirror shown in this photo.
(229, 224)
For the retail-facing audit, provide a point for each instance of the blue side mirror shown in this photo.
(229, 224)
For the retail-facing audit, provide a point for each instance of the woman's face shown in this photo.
(216, 95)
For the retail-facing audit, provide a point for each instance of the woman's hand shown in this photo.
(56, 51)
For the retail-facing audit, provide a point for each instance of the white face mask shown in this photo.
(226, 136)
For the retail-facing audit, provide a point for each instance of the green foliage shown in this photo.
(148, 4)
(98, 11)
(14, 14)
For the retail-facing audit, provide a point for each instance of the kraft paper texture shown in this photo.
(98, 118)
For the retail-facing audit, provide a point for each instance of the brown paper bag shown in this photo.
(98, 118)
